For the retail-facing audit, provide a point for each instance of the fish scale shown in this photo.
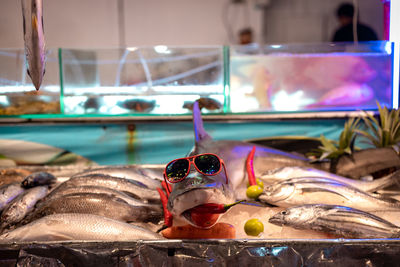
(97, 204)
(146, 178)
(116, 183)
(66, 189)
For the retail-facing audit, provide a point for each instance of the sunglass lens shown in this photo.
(177, 170)
(208, 164)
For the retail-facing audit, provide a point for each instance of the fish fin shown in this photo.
(319, 190)
(29, 73)
(23, 24)
(199, 131)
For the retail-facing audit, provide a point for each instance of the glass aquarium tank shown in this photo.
(166, 80)
(18, 96)
(311, 77)
(150, 80)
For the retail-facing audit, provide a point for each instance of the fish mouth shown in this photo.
(202, 216)
(277, 220)
(193, 206)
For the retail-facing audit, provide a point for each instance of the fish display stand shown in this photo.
(202, 252)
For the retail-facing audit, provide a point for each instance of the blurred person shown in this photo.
(345, 14)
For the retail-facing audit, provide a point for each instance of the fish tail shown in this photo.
(388, 180)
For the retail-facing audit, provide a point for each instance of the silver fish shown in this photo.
(98, 204)
(65, 189)
(145, 177)
(284, 173)
(38, 178)
(119, 184)
(8, 192)
(22, 205)
(77, 227)
(32, 13)
(300, 191)
(338, 220)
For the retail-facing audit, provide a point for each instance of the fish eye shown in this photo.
(284, 212)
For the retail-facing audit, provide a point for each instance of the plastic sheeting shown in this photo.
(335, 252)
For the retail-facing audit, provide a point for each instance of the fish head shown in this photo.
(293, 216)
(198, 190)
(278, 192)
(36, 69)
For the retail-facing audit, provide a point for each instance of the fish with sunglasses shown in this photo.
(214, 174)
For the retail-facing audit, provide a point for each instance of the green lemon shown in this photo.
(253, 227)
(259, 183)
(254, 191)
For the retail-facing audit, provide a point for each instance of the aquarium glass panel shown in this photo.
(150, 80)
(311, 77)
(18, 95)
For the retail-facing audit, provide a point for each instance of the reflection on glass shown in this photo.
(151, 80)
(339, 76)
(18, 95)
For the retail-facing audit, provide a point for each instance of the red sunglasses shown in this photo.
(206, 164)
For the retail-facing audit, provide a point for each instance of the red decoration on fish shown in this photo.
(167, 214)
(166, 187)
(250, 168)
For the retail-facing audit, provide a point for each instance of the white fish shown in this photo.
(32, 13)
(58, 227)
(339, 220)
(301, 191)
(8, 192)
(22, 205)
(285, 173)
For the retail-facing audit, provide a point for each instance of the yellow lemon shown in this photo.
(253, 227)
(254, 191)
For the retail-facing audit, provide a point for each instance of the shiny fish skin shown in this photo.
(342, 221)
(38, 178)
(119, 184)
(146, 177)
(66, 189)
(300, 191)
(59, 227)
(97, 204)
(8, 193)
(32, 14)
(22, 205)
(282, 174)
